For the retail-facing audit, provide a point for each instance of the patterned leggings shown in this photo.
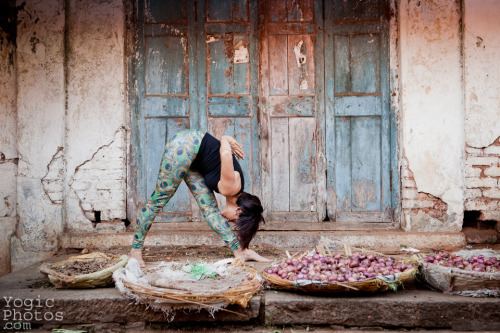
(180, 151)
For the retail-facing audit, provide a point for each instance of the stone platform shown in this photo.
(25, 294)
(174, 234)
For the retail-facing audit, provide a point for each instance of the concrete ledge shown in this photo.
(410, 309)
(104, 305)
(280, 239)
(20, 295)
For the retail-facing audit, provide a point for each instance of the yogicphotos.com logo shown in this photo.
(18, 313)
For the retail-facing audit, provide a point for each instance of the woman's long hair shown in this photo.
(249, 218)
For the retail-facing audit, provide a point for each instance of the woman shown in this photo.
(207, 165)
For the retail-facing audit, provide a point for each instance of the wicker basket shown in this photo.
(376, 284)
(240, 295)
(460, 281)
(101, 278)
(164, 299)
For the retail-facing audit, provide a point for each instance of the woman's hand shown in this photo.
(247, 254)
(236, 147)
(137, 254)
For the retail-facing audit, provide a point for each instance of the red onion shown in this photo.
(478, 263)
(354, 263)
(359, 266)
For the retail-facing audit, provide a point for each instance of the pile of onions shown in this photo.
(478, 263)
(337, 268)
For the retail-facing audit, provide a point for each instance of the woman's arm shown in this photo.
(230, 181)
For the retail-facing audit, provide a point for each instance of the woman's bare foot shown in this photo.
(247, 254)
(137, 254)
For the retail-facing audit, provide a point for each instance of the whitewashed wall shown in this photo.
(65, 119)
(482, 107)
(8, 142)
(96, 115)
(40, 127)
(432, 115)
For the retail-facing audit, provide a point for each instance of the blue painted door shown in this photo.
(196, 67)
(303, 84)
(358, 117)
(292, 108)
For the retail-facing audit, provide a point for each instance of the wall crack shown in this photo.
(99, 182)
(52, 182)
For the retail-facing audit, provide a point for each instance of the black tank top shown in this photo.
(207, 163)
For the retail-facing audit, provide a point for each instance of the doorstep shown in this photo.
(415, 307)
(375, 240)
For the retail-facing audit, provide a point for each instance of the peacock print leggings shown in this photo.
(180, 152)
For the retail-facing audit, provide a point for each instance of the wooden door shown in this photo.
(358, 124)
(196, 68)
(303, 84)
(229, 96)
(291, 97)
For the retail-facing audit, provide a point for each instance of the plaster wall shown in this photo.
(8, 129)
(40, 126)
(482, 103)
(96, 114)
(432, 116)
(482, 71)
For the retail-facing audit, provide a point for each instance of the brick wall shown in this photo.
(482, 175)
(415, 203)
(100, 182)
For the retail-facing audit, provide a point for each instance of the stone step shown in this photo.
(22, 300)
(278, 239)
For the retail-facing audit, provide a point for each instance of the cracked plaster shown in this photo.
(99, 183)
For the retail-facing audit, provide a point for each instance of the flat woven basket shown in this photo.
(376, 284)
(100, 278)
(449, 279)
(240, 295)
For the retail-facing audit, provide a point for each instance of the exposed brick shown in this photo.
(491, 215)
(492, 150)
(418, 203)
(481, 182)
(409, 193)
(474, 151)
(473, 172)
(492, 193)
(472, 194)
(493, 171)
(481, 204)
(406, 173)
(117, 184)
(410, 183)
(482, 160)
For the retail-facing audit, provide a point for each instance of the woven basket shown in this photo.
(450, 279)
(92, 280)
(240, 295)
(376, 284)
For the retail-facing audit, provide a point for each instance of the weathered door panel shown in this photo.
(231, 86)
(164, 99)
(197, 68)
(289, 117)
(358, 127)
